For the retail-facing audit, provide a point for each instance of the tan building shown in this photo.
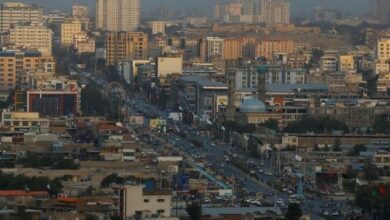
(383, 49)
(347, 63)
(24, 121)
(210, 47)
(125, 46)
(68, 30)
(83, 43)
(131, 200)
(169, 65)
(32, 37)
(232, 49)
(117, 15)
(15, 66)
(14, 13)
(275, 11)
(80, 11)
(267, 48)
(158, 27)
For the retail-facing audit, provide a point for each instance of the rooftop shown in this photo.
(207, 84)
(6, 193)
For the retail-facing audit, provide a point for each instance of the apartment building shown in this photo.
(35, 37)
(158, 27)
(210, 47)
(347, 63)
(232, 49)
(82, 43)
(68, 30)
(134, 200)
(12, 14)
(383, 49)
(267, 48)
(117, 15)
(79, 11)
(125, 46)
(15, 66)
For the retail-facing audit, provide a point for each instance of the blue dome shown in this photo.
(250, 105)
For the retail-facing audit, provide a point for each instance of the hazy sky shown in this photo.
(297, 6)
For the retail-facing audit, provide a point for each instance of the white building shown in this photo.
(158, 27)
(134, 200)
(117, 15)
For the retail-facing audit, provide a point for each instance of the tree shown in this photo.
(350, 172)
(294, 212)
(371, 172)
(272, 124)
(355, 151)
(90, 217)
(116, 217)
(194, 210)
(336, 145)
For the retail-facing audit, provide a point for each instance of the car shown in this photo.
(252, 172)
(335, 213)
(289, 191)
(284, 189)
(325, 213)
(279, 201)
(261, 171)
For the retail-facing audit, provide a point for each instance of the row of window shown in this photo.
(158, 200)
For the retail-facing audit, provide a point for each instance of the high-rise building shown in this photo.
(80, 11)
(117, 15)
(382, 10)
(275, 11)
(232, 49)
(12, 14)
(32, 37)
(158, 27)
(68, 30)
(125, 46)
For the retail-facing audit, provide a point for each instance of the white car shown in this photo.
(335, 213)
(280, 201)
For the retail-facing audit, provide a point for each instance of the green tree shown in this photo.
(371, 172)
(116, 218)
(294, 211)
(272, 124)
(355, 151)
(90, 217)
(350, 172)
(336, 145)
(110, 179)
(194, 210)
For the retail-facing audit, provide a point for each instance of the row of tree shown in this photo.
(52, 161)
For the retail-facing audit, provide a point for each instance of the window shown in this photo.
(160, 211)
(146, 200)
(160, 200)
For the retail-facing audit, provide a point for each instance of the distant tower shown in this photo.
(261, 88)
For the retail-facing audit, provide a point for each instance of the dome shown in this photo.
(250, 105)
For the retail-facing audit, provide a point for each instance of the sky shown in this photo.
(297, 6)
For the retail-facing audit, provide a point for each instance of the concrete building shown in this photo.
(117, 15)
(32, 37)
(134, 200)
(328, 14)
(125, 46)
(12, 14)
(232, 49)
(202, 97)
(329, 63)
(158, 27)
(347, 63)
(210, 47)
(382, 159)
(15, 66)
(196, 21)
(170, 64)
(267, 48)
(24, 121)
(275, 11)
(82, 43)
(383, 49)
(382, 11)
(80, 11)
(68, 30)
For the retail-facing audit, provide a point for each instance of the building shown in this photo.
(232, 49)
(210, 47)
(169, 64)
(196, 21)
(22, 197)
(347, 63)
(383, 49)
(32, 37)
(82, 43)
(125, 46)
(54, 97)
(134, 200)
(329, 63)
(68, 30)
(268, 48)
(382, 11)
(12, 14)
(329, 14)
(202, 97)
(228, 12)
(117, 15)
(80, 11)
(382, 158)
(15, 66)
(275, 11)
(24, 121)
(158, 27)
